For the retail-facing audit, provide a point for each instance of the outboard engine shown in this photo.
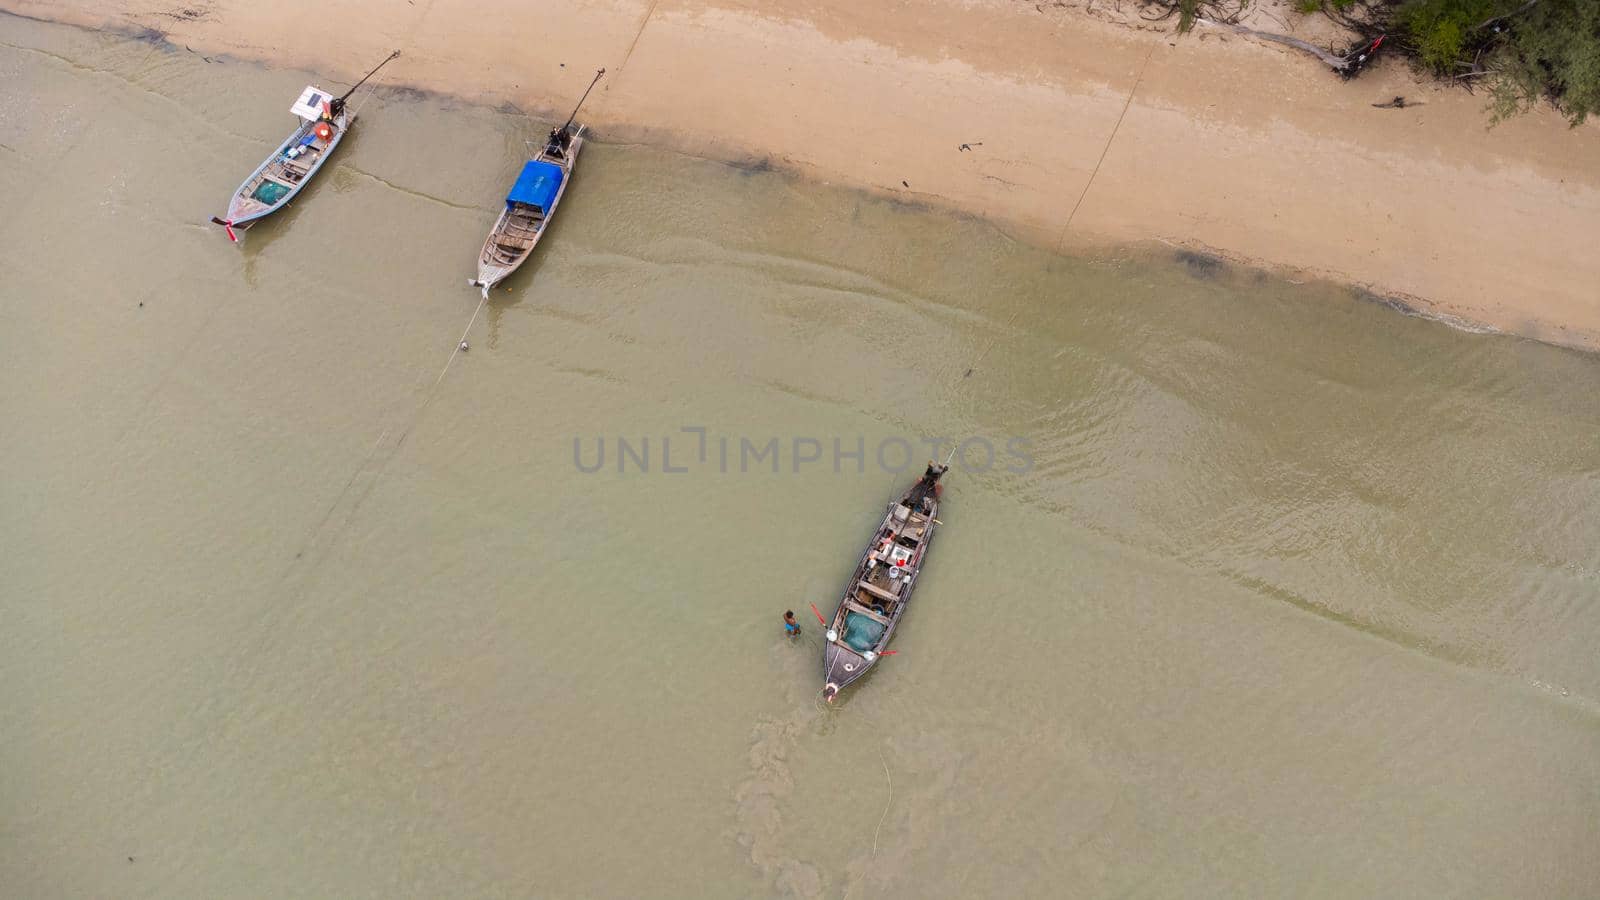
(1359, 56)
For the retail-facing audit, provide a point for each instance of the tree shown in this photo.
(1525, 50)
(1445, 33)
(1552, 52)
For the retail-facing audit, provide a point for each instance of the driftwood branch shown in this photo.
(1337, 62)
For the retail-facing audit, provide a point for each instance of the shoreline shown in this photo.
(1082, 134)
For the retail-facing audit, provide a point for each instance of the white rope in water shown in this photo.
(887, 778)
(1060, 239)
(886, 803)
(459, 344)
(985, 354)
(376, 445)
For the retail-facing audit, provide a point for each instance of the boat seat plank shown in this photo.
(877, 591)
(858, 608)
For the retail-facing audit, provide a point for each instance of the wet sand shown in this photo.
(1083, 133)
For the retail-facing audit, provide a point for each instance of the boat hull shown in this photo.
(493, 264)
(880, 588)
(246, 208)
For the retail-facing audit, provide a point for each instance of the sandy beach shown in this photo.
(1083, 133)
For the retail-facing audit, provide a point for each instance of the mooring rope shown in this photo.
(371, 92)
(459, 346)
(433, 390)
(886, 803)
(1107, 148)
(1061, 238)
(985, 354)
(367, 461)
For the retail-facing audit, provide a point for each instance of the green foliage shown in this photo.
(1547, 50)
(1552, 51)
(1312, 6)
(1523, 51)
(1440, 46)
(1441, 29)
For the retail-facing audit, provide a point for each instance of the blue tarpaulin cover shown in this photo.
(537, 185)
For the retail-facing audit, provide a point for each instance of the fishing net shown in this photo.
(861, 633)
(270, 192)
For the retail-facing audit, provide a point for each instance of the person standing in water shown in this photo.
(790, 626)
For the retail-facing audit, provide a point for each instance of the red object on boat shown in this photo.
(324, 131)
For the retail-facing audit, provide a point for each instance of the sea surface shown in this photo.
(1269, 589)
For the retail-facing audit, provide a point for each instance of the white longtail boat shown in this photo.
(529, 206)
(324, 121)
(532, 202)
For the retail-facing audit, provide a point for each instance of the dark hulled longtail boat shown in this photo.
(880, 588)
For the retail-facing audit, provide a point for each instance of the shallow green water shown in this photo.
(1295, 597)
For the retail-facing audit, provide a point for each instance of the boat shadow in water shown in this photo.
(255, 241)
(520, 286)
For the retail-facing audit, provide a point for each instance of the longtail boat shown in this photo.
(880, 588)
(324, 121)
(529, 207)
(532, 202)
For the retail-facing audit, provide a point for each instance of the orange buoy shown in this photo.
(324, 131)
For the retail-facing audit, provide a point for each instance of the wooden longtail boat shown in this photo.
(324, 121)
(880, 588)
(532, 201)
(529, 207)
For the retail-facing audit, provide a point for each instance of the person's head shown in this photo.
(789, 614)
